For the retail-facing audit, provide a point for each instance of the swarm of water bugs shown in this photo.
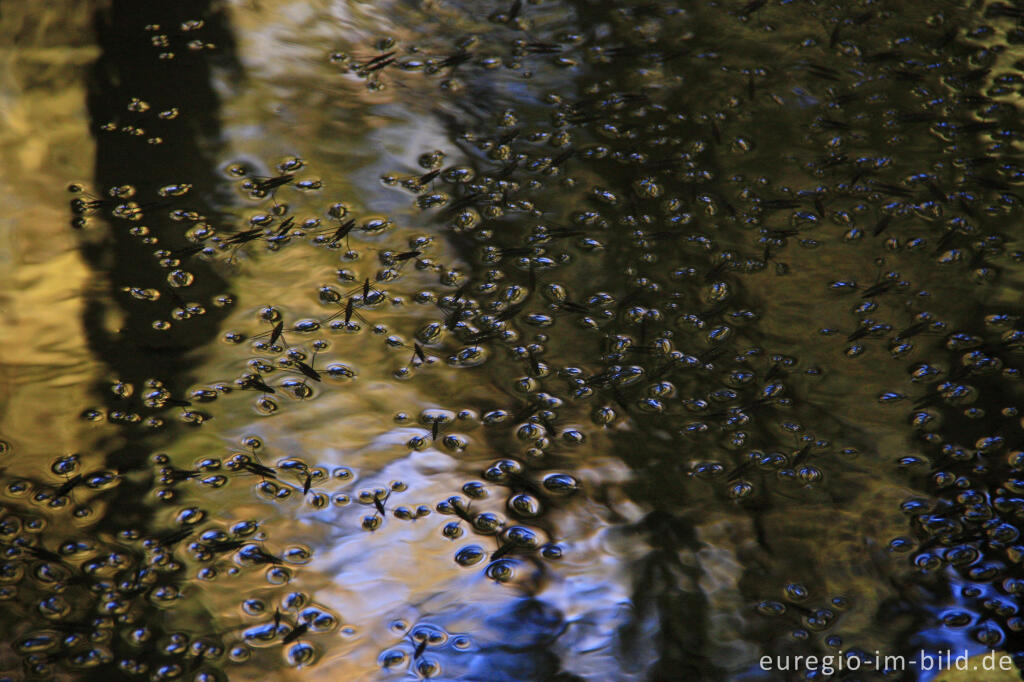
(756, 247)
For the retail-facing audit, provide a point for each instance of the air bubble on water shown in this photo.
(376, 225)
(301, 654)
(277, 575)
(470, 555)
(180, 278)
(290, 164)
(175, 190)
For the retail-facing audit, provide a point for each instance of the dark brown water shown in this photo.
(510, 341)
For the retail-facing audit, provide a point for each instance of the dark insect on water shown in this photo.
(342, 232)
(560, 160)
(421, 647)
(136, 582)
(878, 289)
(224, 546)
(511, 312)
(912, 331)
(759, 403)
(276, 333)
(90, 205)
(378, 502)
(295, 633)
(69, 485)
(882, 225)
(429, 177)
(376, 64)
(884, 56)
(455, 506)
(188, 251)
(819, 71)
(369, 294)
(750, 8)
(348, 311)
(907, 118)
(800, 456)
(868, 327)
(418, 354)
(307, 370)
(781, 234)
(890, 189)
(542, 48)
(572, 307)
(255, 382)
(378, 498)
(946, 38)
(454, 307)
(264, 186)
(504, 549)
(466, 200)
(716, 132)
(283, 229)
(87, 206)
(831, 124)
(542, 237)
(716, 270)
(244, 237)
(175, 537)
(455, 60)
(239, 239)
(831, 161)
(171, 475)
(740, 470)
(404, 257)
(42, 553)
(258, 555)
(833, 37)
(258, 469)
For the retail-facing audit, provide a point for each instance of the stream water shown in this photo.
(519, 340)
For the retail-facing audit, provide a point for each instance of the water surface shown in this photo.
(509, 341)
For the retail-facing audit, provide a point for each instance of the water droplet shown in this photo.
(470, 555)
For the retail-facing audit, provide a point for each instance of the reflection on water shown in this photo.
(510, 341)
